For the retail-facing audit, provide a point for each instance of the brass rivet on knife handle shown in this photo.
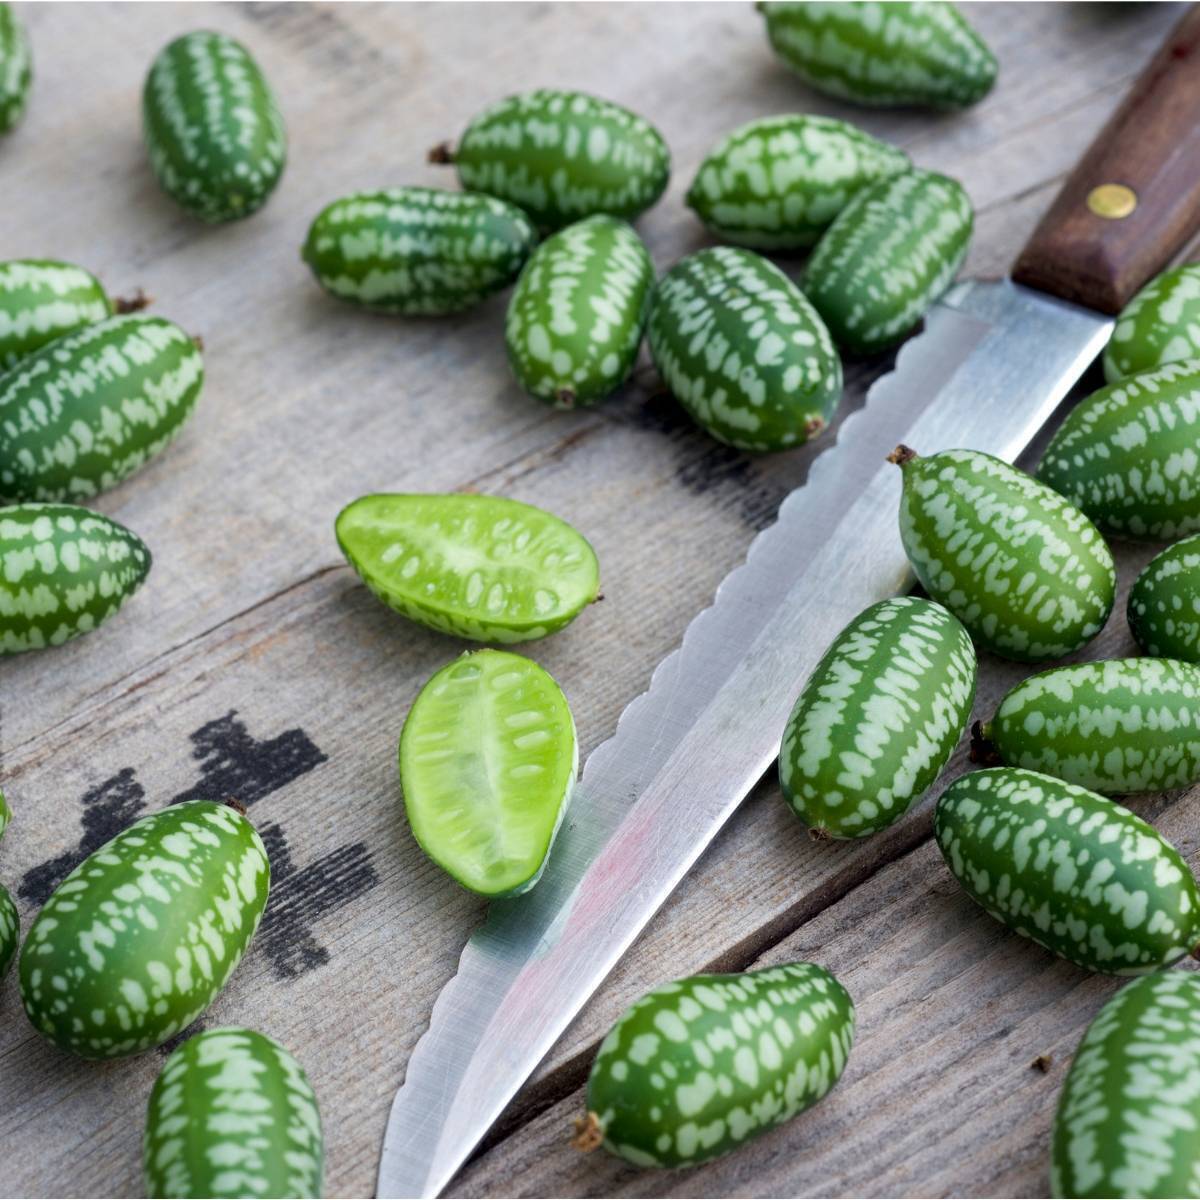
(1098, 245)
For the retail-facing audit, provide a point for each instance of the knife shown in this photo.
(993, 362)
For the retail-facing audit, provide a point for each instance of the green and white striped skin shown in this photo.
(698, 1067)
(232, 1114)
(16, 68)
(1129, 454)
(878, 719)
(884, 55)
(5, 814)
(1126, 1122)
(10, 930)
(41, 300)
(1074, 872)
(86, 411)
(141, 937)
(887, 256)
(576, 317)
(744, 351)
(488, 759)
(1164, 603)
(1125, 725)
(1023, 569)
(417, 251)
(479, 567)
(561, 156)
(778, 182)
(213, 130)
(1161, 324)
(64, 571)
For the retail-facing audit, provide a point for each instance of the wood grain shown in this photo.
(250, 610)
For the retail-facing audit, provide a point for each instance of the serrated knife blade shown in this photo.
(992, 364)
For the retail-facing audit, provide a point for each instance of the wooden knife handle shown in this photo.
(1134, 199)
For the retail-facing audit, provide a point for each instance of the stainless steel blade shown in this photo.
(992, 364)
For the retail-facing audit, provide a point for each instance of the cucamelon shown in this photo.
(576, 317)
(778, 182)
(213, 130)
(1129, 454)
(1126, 1122)
(1074, 872)
(86, 411)
(878, 718)
(5, 814)
(561, 156)
(698, 1067)
(140, 938)
(64, 570)
(10, 930)
(1161, 324)
(1164, 603)
(232, 1114)
(922, 53)
(1125, 725)
(16, 68)
(1022, 568)
(743, 350)
(417, 251)
(887, 256)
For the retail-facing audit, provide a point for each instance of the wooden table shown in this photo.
(254, 664)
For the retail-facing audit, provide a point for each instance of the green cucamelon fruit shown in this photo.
(5, 814)
(1161, 324)
(775, 184)
(16, 68)
(883, 55)
(488, 759)
(232, 1114)
(878, 718)
(1164, 603)
(417, 251)
(480, 567)
(1129, 454)
(698, 1067)
(213, 130)
(10, 930)
(1126, 1121)
(86, 411)
(1074, 872)
(140, 938)
(887, 256)
(744, 351)
(561, 156)
(1124, 725)
(1022, 568)
(64, 570)
(576, 317)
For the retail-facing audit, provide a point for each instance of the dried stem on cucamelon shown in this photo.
(589, 1135)
(443, 152)
(901, 455)
(131, 304)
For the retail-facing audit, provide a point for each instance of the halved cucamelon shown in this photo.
(1161, 324)
(487, 763)
(16, 68)
(1164, 603)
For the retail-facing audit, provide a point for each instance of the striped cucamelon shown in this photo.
(10, 930)
(1023, 569)
(887, 256)
(1124, 725)
(777, 183)
(561, 156)
(743, 351)
(16, 68)
(5, 814)
(1074, 872)
(1129, 454)
(1127, 1115)
(576, 317)
(140, 938)
(213, 131)
(1164, 603)
(883, 55)
(417, 251)
(64, 570)
(697, 1067)
(878, 718)
(480, 567)
(89, 409)
(232, 1114)
(1161, 324)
